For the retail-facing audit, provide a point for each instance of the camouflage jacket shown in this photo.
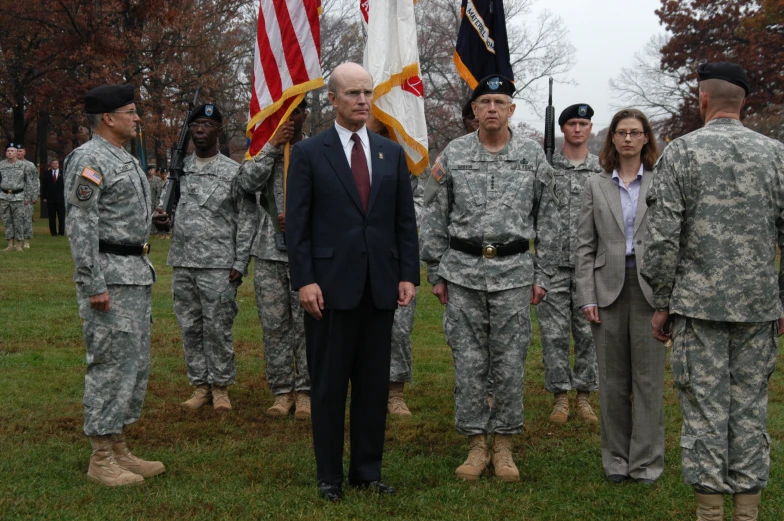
(32, 184)
(716, 211)
(486, 198)
(156, 187)
(14, 177)
(569, 183)
(207, 227)
(107, 198)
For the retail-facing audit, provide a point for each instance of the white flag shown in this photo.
(392, 58)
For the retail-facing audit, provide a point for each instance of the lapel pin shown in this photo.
(381, 155)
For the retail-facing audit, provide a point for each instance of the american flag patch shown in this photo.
(438, 171)
(91, 175)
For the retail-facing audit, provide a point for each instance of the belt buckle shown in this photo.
(489, 251)
(146, 248)
(10, 192)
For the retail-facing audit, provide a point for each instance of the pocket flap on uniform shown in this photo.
(322, 253)
(599, 261)
(687, 442)
(766, 437)
(114, 321)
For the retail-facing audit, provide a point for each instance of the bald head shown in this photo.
(346, 72)
(722, 95)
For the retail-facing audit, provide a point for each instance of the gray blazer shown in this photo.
(600, 264)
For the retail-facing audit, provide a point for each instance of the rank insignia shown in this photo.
(84, 192)
(91, 175)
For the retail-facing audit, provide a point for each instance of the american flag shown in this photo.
(286, 65)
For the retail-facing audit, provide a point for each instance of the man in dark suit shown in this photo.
(52, 189)
(353, 253)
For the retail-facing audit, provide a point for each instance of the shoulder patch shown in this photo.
(438, 170)
(84, 192)
(91, 175)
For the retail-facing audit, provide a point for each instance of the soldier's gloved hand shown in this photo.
(161, 219)
(235, 276)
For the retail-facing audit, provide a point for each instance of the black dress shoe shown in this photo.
(375, 486)
(617, 478)
(332, 492)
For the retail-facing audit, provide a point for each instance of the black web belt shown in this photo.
(123, 249)
(488, 251)
(12, 192)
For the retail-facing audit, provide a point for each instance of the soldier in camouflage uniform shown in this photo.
(717, 206)
(280, 313)
(490, 193)
(32, 192)
(558, 313)
(156, 187)
(207, 269)
(108, 221)
(14, 187)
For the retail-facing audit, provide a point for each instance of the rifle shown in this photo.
(549, 127)
(178, 158)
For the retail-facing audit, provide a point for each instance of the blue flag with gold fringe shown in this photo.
(482, 47)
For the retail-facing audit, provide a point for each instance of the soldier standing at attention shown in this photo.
(558, 313)
(32, 192)
(13, 190)
(156, 186)
(491, 192)
(108, 222)
(280, 313)
(717, 213)
(206, 267)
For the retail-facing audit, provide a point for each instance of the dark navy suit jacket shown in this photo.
(332, 241)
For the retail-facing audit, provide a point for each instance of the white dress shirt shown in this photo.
(348, 145)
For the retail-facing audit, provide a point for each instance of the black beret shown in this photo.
(468, 110)
(20, 146)
(727, 71)
(209, 111)
(108, 98)
(495, 84)
(580, 110)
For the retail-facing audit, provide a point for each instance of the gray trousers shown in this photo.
(13, 216)
(631, 385)
(400, 362)
(282, 321)
(489, 333)
(118, 359)
(205, 305)
(558, 316)
(721, 371)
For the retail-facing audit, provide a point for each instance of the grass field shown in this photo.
(243, 465)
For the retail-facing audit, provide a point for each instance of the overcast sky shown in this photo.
(606, 34)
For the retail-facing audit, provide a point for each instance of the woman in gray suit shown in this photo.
(618, 302)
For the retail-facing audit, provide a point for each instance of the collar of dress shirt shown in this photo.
(617, 178)
(345, 136)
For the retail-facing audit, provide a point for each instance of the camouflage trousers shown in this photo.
(558, 315)
(118, 358)
(489, 333)
(400, 362)
(721, 371)
(205, 305)
(28, 221)
(13, 216)
(282, 321)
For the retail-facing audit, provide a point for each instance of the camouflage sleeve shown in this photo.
(434, 233)
(665, 220)
(83, 185)
(418, 188)
(247, 225)
(254, 173)
(547, 222)
(32, 185)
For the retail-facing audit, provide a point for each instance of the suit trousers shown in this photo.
(56, 218)
(631, 385)
(349, 345)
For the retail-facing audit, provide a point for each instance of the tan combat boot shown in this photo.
(584, 409)
(503, 463)
(129, 462)
(199, 398)
(710, 507)
(103, 467)
(220, 398)
(477, 460)
(302, 411)
(746, 507)
(396, 405)
(26, 244)
(560, 412)
(10, 245)
(283, 405)
(18, 246)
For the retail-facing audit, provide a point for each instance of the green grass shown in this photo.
(243, 465)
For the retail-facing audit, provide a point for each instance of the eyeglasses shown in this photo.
(129, 111)
(634, 134)
(354, 94)
(206, 125)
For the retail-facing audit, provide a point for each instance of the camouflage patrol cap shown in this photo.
(108, 98)
(580, 110)
(209, 111)
(727, 71)
(495, 84)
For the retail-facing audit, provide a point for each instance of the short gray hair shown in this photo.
(93, 120)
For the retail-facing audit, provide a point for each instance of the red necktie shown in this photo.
(359, 169)
(55, 176)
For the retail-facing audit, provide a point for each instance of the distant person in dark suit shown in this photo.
(52, 190)
(352, 245)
